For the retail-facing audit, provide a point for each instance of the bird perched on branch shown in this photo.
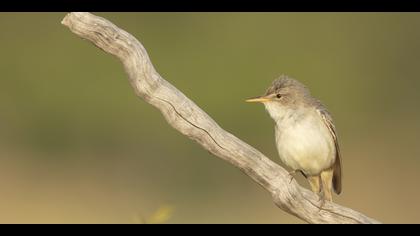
(305, 134)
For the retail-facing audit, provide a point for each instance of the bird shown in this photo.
(305, 135)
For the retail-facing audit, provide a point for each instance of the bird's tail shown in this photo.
(337, 177)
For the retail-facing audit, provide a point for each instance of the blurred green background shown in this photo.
(77, 146)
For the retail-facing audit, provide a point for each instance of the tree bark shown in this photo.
(189, 119)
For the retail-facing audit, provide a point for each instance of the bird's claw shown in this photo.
(321, 200)
(291, 173)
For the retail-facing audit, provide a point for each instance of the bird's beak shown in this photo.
(258, 99)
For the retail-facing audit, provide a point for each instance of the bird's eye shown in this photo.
(278, 95)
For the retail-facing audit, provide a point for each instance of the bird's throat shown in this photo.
(282, 115)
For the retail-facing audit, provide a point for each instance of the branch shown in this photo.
(186, 117)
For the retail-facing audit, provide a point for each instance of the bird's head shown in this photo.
(284, 93)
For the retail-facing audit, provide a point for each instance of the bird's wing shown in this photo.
(337, 176)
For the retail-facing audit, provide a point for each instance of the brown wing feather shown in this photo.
(337, 175)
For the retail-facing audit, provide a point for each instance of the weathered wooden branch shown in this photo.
(186, 117)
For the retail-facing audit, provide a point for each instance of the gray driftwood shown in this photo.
(189, 119)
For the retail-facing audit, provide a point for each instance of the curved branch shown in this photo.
(186, 117)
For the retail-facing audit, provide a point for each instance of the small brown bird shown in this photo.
(306, 138)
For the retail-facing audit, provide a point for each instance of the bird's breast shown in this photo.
(303, 141)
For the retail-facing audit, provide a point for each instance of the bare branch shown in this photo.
(186, 117)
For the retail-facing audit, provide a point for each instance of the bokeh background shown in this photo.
(77, 146)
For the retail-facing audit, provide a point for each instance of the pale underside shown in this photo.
(303, 142)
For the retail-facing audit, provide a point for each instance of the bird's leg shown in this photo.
(315, 183)
(326, 179)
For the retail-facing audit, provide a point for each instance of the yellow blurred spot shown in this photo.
(161, 215)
